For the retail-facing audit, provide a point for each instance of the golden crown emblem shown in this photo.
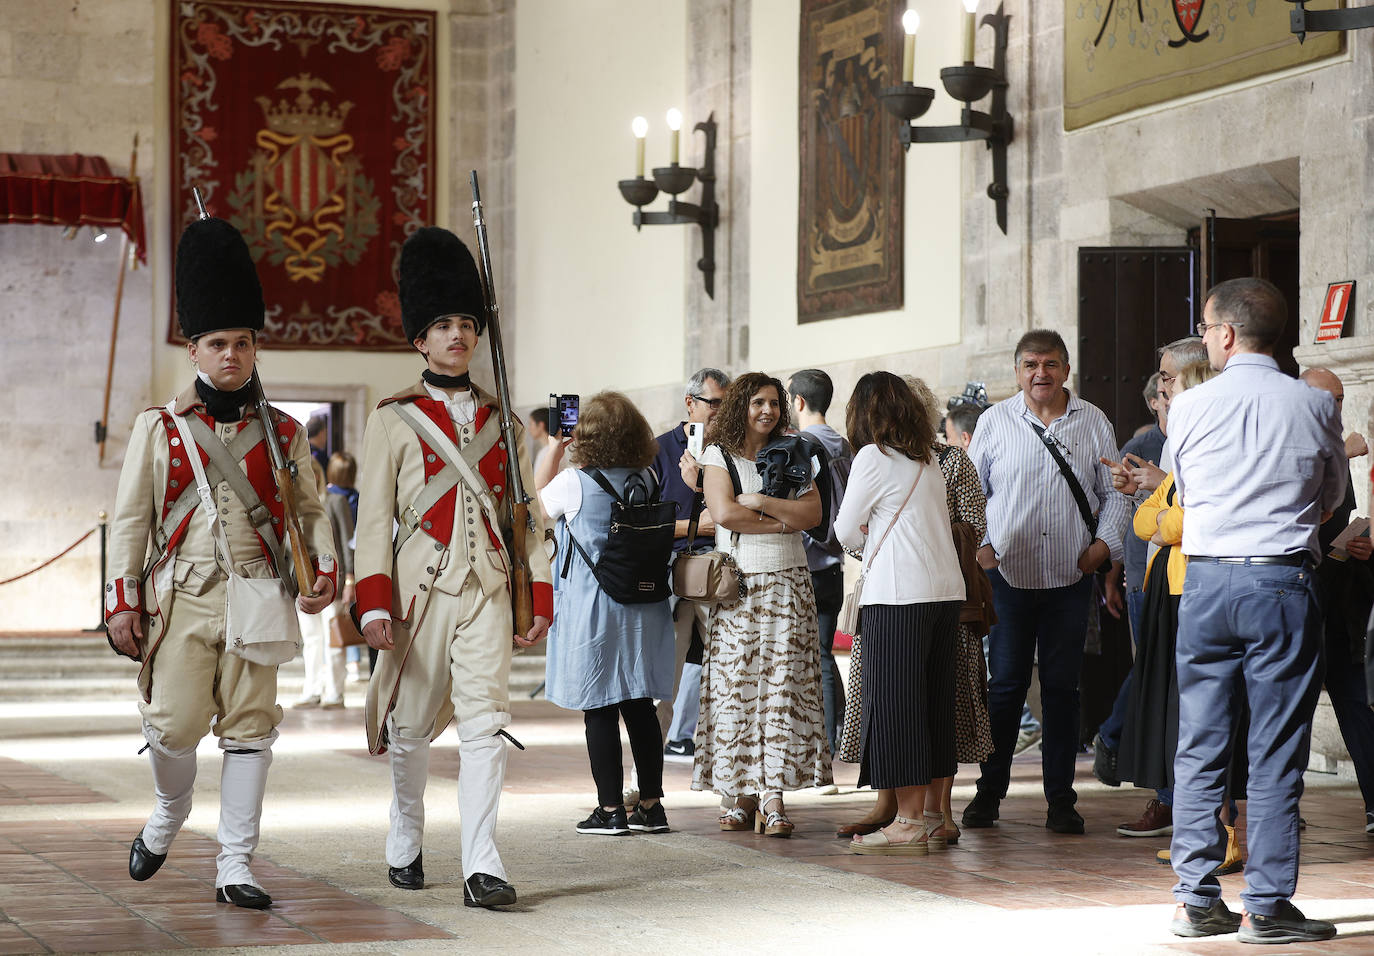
(306, 117)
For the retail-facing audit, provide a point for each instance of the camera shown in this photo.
(563, 414)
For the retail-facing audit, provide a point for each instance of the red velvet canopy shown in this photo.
(72, 190)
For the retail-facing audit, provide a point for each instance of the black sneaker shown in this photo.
(1194, 921)
(680, 749)
(605, 823)
(1104, 762)
(1287, 925)
(649, 819)
(982, 811)
(1063, 818)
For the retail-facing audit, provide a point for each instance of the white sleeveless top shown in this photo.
(755, 553)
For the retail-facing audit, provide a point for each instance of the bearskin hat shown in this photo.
(438, 277)
(217, 286)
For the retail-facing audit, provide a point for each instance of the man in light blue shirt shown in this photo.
(1041, 552)
(1259, 464)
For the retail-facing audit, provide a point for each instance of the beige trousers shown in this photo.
(465, 638)
(685, 614)
(195, 681)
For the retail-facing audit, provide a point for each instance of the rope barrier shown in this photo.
(50, 560)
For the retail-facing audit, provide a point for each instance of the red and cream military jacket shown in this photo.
(147, 553)
(452, 539)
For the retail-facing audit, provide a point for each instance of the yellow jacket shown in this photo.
(1147, 521)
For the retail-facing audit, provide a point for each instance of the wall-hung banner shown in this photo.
(310, 127)
(1120, 55)
(849, 229)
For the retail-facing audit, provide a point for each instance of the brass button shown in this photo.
(176, 462)
(175, 441)
(427, 525)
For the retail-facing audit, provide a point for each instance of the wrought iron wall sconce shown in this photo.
(1302, 21)
(967, 84)
(674, 180)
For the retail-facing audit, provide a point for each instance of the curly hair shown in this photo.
(926, 399)
(884, 411)
(611, 433)
(731, 424)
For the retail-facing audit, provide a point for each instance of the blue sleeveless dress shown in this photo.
(602, 652)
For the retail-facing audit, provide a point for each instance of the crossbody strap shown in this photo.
(1079, 495)
(920, 473)
(444, 447)
(228, 466)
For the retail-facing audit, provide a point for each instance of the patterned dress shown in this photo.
(762, 725)
(972, 733)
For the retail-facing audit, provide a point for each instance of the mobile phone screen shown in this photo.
(568, 406)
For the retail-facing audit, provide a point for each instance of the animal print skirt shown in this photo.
(762, 726)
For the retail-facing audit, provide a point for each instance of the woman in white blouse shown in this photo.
(895, 510)
(762, 728)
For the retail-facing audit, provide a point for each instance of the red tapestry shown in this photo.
(310, 127)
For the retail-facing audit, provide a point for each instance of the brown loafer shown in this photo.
(851, 830)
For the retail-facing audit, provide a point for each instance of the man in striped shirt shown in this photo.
(1042, 548)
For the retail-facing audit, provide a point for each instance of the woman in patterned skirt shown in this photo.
(762, 727)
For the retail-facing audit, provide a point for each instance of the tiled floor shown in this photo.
(65, 887)
(23, 785)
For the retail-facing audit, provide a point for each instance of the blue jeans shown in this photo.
(828, 584)
(1253, 630)
(1110, 731)
(1054, 623)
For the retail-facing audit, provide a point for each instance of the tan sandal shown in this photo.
(737, 818)
(773, 823)
(878, 843)
(934, 824)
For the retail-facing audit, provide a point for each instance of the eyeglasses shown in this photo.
(1202, 327)
(1165, 378)
(713, 402)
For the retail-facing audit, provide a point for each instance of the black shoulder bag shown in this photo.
(1079, 495)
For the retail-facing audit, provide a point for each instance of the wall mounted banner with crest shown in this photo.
(310, 127)
(849, 229)
(1120, 55)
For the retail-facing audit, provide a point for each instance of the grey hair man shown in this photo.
(677, 473)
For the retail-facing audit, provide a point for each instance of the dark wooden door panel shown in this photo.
(1265, 248)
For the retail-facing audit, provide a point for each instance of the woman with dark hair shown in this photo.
(895, 510)
(607, 659)
(762, 727)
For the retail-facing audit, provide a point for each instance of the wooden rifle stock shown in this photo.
(516, 503)
(284, 472)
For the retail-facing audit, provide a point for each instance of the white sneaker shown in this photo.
(305, 703)
(1026, 740)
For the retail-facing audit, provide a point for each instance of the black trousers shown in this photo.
(603, 748)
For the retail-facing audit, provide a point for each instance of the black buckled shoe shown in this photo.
(982, 811)
(483, 889)
(1194, 921)
(243, 894)
(408, 877)
(1287, 925)
(143, 862)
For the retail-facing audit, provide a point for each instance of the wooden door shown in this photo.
(1264, 248)
(1130, 302)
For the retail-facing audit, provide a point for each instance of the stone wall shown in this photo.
(74, 77)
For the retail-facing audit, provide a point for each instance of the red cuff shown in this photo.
(327, 567)
(122, 594)
(373, 594)
(542, 595)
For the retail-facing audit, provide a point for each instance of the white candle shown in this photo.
(910, 21)
(674, 124)
(970, 27)
(640, 127)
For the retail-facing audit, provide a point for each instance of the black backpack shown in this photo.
(633, 567)
(831, 480)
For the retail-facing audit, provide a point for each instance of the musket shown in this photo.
(284, 470)
(516, 502)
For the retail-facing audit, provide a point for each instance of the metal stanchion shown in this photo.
(100, 590)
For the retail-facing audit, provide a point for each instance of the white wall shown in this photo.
(598, 304)
(930, 315)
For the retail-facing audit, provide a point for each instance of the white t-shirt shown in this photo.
(562, 497)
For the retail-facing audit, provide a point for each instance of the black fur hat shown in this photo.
(217, 286)
(438, 277)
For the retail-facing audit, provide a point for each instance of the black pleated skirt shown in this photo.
(908, 693)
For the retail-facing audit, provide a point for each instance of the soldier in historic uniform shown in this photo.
(435, 598)
(193, 606)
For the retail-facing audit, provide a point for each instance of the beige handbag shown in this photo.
(711, 577)
(851, 612)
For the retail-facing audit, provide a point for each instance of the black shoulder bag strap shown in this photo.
(1079, 495)
(600, 479)
(698, 500)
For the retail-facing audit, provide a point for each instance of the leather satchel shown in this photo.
(343, 632)
(852, 611)
(709, 577)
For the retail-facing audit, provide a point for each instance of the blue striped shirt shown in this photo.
(1034, 524)
(1258, 457)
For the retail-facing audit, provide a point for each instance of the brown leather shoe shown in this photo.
(1157, 820)
(851, 830)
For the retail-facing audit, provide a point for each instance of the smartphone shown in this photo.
(696, 437)
(563, 414)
